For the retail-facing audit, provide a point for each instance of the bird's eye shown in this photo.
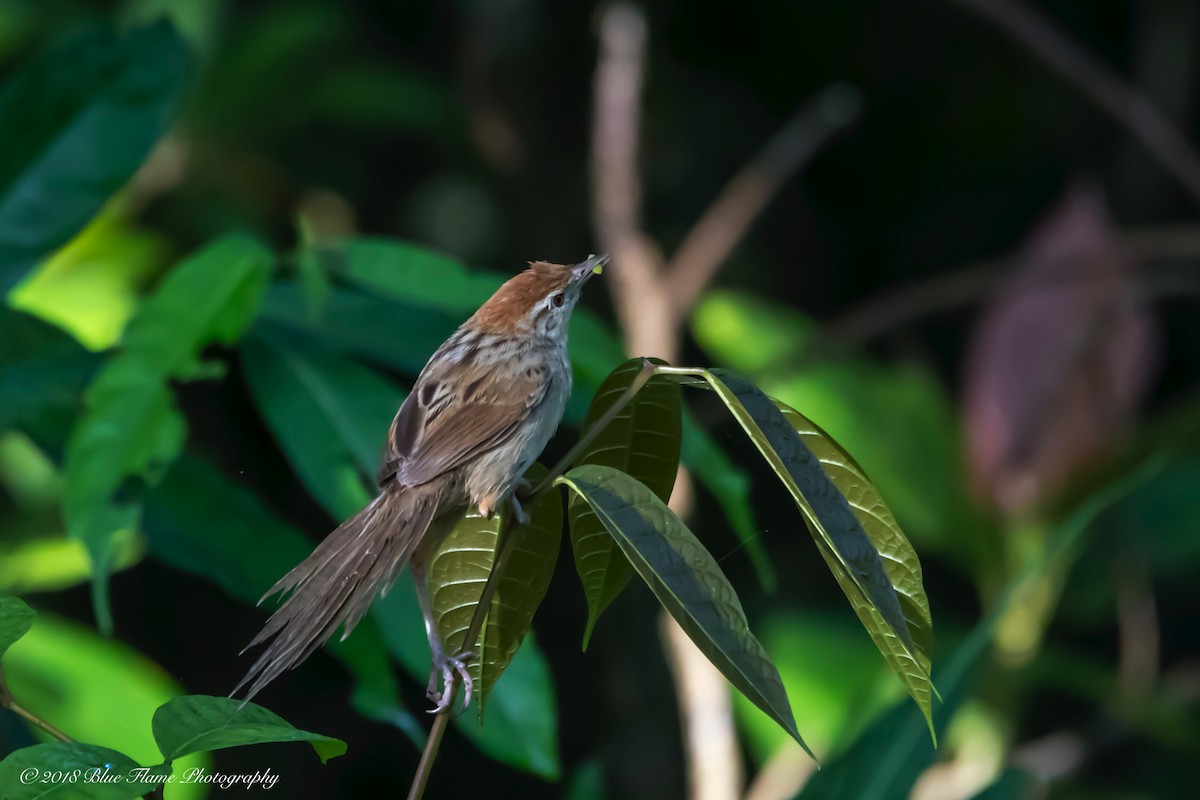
(557, 299)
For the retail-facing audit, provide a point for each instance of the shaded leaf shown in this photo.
(71, 770)
(79, 121)
(687, 581)
(41, 369)
(458, 570)
(643, 441)
(131, 428)
(900, 563)
(198, 723)
(329, 415)
(197, 521)
(15, 620)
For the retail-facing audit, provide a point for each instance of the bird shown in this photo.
(479, 413)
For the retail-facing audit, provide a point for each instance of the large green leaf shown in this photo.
(198, 723)
(839, 535)
(131, 428)
(643, 441)
(899, 562)
(458, 570)
(41, 369)
(96, 689)
(71, 771)
(197, 521)
(78, 121)
(15, 620)
(329, 415)
(687, 581)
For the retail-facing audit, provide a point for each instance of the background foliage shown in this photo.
(1027, 407)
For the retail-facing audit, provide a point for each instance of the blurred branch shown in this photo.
(730, 216)
(1138, 631)
(1104, 86)
(890, 310)
(7, 701)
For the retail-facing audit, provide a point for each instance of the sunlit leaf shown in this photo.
(459, 568)
(15, 621)
(79, 121)
(838, 534)
(95, 689)
(900, 563)
(71, 771)
(199, 723)
(131, 428)
(52, 564)
(643, 441)
(687, 581)
(330, 416)
(198, 521)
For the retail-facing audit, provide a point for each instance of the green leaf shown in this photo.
(41, 369)
(199, 723)
(687, 581)
(457, 571)
(840, 538)
(643, 441)
(131, 428)
(96, 689)
(900, 563)
(730, 487)
(15, 620)
(72, 771)
(197, 521)
(79, 121)
(329, 415)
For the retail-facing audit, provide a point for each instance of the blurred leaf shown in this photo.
(329, 415)
(1060, 359)
(724, 321)
(15, 620)
(64, 766)
(90, 286)
(131, 428)
(40, 368)
(687, 581)
(643, 441)
(381, 97)
(1157, 520)
(81, 118)
(839, 536)
(95, 689)
(900, 563)
(1013, 784)
(587, 782)
(47, 565)
(458, 570)
(198, 723)
(730, 487)
(197, 521)
(520, 727)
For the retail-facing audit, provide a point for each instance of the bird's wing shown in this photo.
(454, 413)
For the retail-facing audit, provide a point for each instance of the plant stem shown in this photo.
(7, 701)
(508, 532)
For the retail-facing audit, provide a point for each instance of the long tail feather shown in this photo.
(336, 584)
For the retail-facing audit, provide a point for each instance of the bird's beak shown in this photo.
(585, 269)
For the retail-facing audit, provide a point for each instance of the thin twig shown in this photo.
(725, 223)
(1104, 86)
(7, 701)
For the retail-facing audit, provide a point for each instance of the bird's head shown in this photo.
(538, 301)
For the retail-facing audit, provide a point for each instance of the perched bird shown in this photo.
(480, 412)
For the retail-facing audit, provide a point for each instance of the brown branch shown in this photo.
(1104, 86)
(7, 701)
(730, 216)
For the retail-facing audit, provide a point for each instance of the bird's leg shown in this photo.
(519, 512)
(444, 666)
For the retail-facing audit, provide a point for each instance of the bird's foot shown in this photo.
(446, 667)
(518, 512)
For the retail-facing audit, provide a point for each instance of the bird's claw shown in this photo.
(518, 512)
(446, 667)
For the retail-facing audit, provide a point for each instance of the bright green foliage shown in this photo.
(198, 723)
(643, 441)
(89, 111)
(15, 620)
(131, 428)
(687, 581)
(76, 760)
(899, 562)
(458, 570)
